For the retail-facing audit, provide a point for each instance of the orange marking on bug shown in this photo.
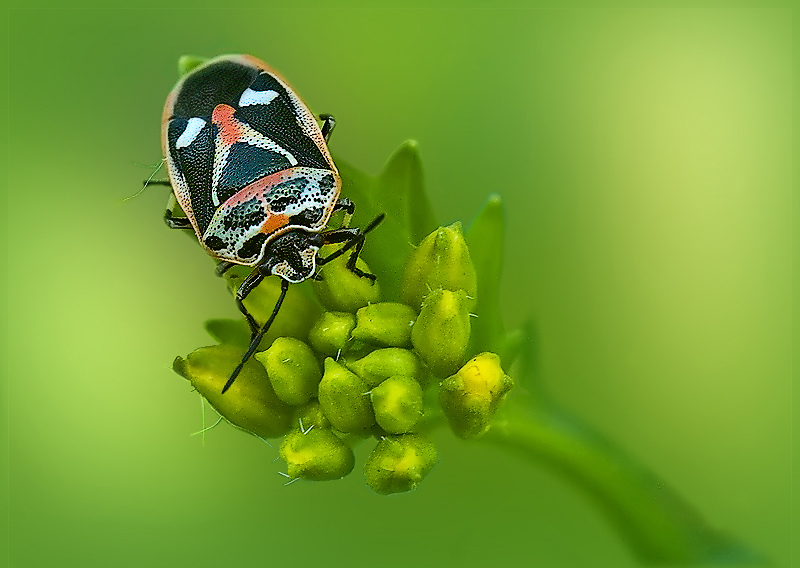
(229, 128)
(273, 223)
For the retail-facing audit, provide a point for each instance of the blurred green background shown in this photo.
(645, 159)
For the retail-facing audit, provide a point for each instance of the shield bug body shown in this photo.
(250, 168)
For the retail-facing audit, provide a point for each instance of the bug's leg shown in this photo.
(223, 267)
(253, 280)
(258, 336)
(338, 236)
(157, 182)
(351, 262)
(346, 235)
(348, 207)
(345, 204)
(175, 222)
(328, 124)
(351, 238)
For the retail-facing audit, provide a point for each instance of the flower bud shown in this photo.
(355, 351)
(353, 439)
(385, 323)
(186, 63)
(441, 334)
(381, 364)
(296, 316)
(469, 398)
(250, 403)
(311, 415)
(441, 261)
(340, 290)
(293, 370)
(399, 463)
(316, 455)
(397, 403)
(331, 334)
(344, 399)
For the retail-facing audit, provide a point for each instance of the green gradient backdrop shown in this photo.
(645, 158)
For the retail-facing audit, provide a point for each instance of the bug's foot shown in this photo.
(361, 274)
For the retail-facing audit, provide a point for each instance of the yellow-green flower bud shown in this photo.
(381, 364)
(250, 403)
(296, 316)
(399, 463)
(469, 398)
(188, 62)
(331, 334)
(340, 290)
(316, 455)
(353, 439)
(344, 399)
(397, 403)
(293, 370)
(385, 323)
(355, 351)
(441, 261)
(311, 415)
(441, 334)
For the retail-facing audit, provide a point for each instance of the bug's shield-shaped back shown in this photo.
(296, 198)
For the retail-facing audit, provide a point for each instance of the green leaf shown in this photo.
(401, 190)
(655, 521)
(524, 342)
(228, 331)
(485, 235)
(397, 192)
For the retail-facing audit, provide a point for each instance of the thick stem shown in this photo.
(659, 525)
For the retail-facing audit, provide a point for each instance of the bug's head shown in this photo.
(292, 256)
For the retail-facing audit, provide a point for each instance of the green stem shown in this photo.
(658, 524)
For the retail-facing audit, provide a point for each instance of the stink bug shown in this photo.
(250, 168)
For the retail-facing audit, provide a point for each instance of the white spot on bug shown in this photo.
(193, 128)
(250, 97)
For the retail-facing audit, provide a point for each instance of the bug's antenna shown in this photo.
(257, 339)
(147, 181)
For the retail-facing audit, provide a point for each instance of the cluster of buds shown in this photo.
(344, 366)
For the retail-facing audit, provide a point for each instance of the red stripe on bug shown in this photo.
(274, 222)
(230, 129)
(257, 189)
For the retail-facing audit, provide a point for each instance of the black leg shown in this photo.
(328, 124)
(157, 182)
(171, 221)
(351, 238)
(177, 222)
(351, 262)
(253, 280)
(258, 336)
(354, 236)
(223, 267)
(339, 236)
(344, 203)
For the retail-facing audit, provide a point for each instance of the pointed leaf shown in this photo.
(511, 346)
(229, 331)
(401, 190)
(388, 246)
(525, 343)
(485, 236)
